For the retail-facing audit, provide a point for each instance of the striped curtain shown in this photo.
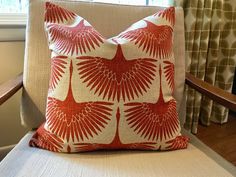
(210, 34)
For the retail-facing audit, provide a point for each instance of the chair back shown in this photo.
(109, 20)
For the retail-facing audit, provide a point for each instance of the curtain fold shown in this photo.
(210, 34)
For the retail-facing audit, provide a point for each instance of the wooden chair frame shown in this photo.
(222, 97)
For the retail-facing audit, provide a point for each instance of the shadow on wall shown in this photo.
(12, 56)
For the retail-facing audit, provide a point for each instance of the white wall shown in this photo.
(11, 64)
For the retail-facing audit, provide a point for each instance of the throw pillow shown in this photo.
(112, 93)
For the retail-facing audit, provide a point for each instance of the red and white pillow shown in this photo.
(112, 93)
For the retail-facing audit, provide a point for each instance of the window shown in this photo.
(13, 6)
(13, 12)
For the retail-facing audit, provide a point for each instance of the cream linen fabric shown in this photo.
(109, 20)
(25, 161)
(5, 150)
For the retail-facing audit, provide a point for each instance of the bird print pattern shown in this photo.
(110, 100)
(167, 14)
(117, 78)
(56, 14)
(152, 123)
(153, 39)
(58, 66)
(78, 39)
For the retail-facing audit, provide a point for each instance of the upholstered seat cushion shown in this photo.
(196, 161)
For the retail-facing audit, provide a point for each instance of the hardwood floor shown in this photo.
(221, 138)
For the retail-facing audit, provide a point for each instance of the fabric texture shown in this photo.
(35, 162)
(37, 53)
(114, 93)
(210, 55)
(5, 150)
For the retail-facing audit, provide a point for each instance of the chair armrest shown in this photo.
(10, 87)
(216, 94)
(5, 150)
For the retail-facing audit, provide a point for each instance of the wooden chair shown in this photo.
(196, 160)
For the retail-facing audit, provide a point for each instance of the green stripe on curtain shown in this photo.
(210, 34)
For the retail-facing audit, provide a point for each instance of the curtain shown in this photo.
(210, 34)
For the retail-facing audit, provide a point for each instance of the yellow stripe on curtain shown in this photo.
(210, 34)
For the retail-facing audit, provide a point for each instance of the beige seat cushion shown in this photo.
(109, 20)
(24, 161)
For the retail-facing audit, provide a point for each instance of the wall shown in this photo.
(11, 59)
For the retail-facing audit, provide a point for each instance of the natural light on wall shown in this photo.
(164, 3)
